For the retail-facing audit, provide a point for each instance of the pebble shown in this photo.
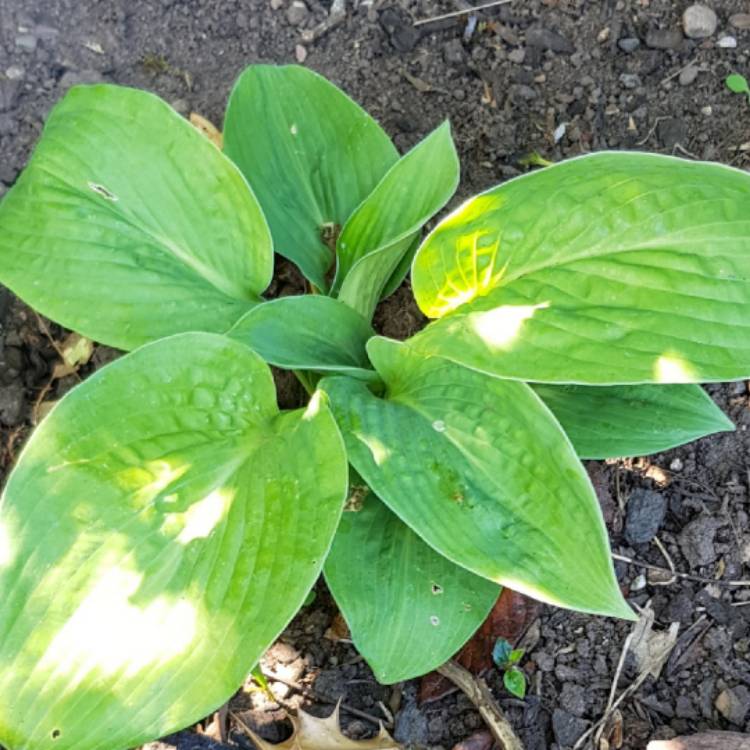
(517, 55)
(567, 728)
(697, 541)
(740, 20)
(676, 465)
(542, 38)
(297, 13)
(573, 699)
(277, 4)
(26, 42)
(733, 704)
(727, 42)
(453, 52)
(699, 21)
(15, 73)
(11, 404)
(629, 44)
(688, 75)
(300, 53)
(7, 125)
(630, 80)
(672, 131)
(664, 39)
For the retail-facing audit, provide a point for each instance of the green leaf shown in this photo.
(607, 269)
(516, 655)
(129, 225)
(309, 332)
(161, 528)
(382, 230)
(311, 154)
(738, 84)
(480, 469)
(501, 652)
(515, 682)
(409, 609)
(632, 420)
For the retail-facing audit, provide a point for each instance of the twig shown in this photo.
(309, 692)
(653, 130)
(463, 12)
(670, 562)
(479, 694)
(674, 75)
(677, 574)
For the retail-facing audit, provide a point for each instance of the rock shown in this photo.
(573, 699)
(684, 708)
(672, 131)
(300, 53)
(630, 80)
(11, 404)
(740, 20)
(297, 13)
(8, 174)
(453, 52)
(664, 39)
(697, 541)
(727, 42)
(525, 92)
(567, 728)
(676, 465)
(699, 21)
(26, 42)
(8, 93)
(688, 75)
(644, 516)
(542, 38)
(397, 23)
(15, 73)
(411, 726)
(629, 44)
(80, 78)
(733, 704)
(517, 55)
(7, 125)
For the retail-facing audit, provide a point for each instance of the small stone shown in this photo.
(740, 20)
(644, 516)
(629, 44)
(11, 404)
(699, 21)
(14, 72)
(630, 80)
(26, 42)
(300, 53)
(517, 55)
(400, 28)
(573, 699)
(672, 131)
(676, 465)
(664, 39)
(684, 708)
(453, 52)
(727, 42)
(79, 77)
(7, 125)
(708, 110)
(526, 92)
(542, 38)
(180, 106)
(688, 75)
(567, 728)
(277, 4)
(297, 13)
(697, 541)
(733, 704)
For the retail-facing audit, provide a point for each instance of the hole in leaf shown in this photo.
(56, 734)
(108, 194)
(437, 589)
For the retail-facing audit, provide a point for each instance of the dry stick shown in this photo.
(677, 574)
(479, 694)
(670, 562)
(457, 13)
(315, 695)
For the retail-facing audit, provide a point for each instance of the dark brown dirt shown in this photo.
(529, 67)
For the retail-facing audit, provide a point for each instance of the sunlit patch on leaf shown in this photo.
(671, 368)
(502, 325)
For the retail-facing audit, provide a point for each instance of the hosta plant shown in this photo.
(166, 520)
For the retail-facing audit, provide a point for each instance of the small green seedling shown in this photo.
(166, 520)
(738, 84)
(506, 659)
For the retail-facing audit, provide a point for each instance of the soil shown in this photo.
(558, 77)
